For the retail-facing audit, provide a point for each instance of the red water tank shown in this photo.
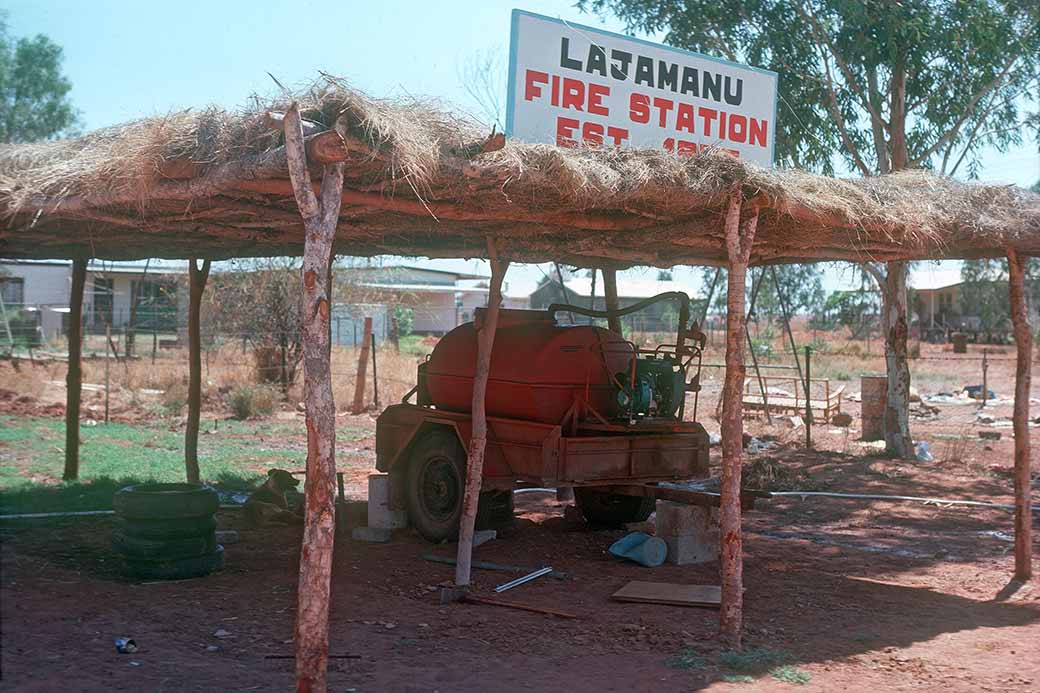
(538, 367)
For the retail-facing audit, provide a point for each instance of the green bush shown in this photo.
(248, 401)
(174, 397)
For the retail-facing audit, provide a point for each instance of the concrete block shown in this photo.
(379, 512)
(690, 532)
(483, 536)
(690, 549)
(375, 535)
(678, 519)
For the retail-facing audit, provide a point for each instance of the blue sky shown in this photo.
(131, 59)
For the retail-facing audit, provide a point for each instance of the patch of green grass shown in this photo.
(413, 345)
(738, 678)
(790, 674)
(687, 659)
(236, 455)
(753, 661)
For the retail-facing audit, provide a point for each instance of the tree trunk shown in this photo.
(478, 438)
(739, 238)
(74, 376)
(197, 283)
(320, 218)
(610, 298)
(1023, 375)
(897, 411)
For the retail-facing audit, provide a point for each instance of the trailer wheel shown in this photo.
(612, 509)
(434, 485)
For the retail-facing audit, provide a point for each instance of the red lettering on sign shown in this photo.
(618, 135)
(573, 94)
(565, 128)
(707, 116)
(555, 100)
(596, 94)
(757, 132)
(663, 106)
(684, 118)
(639, 108)
(531, 81)
(592, 134)
(737, 128)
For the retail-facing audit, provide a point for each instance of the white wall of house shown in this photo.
(434, 312)
(46, 287)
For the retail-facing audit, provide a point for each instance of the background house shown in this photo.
(659, 317)
(40, 288)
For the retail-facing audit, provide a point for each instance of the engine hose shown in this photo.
(588, 312)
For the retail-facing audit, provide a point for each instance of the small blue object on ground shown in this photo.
(641, 548)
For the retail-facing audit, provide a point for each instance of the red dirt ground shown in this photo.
(880, 596)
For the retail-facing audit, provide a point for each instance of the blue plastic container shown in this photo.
(641, 548)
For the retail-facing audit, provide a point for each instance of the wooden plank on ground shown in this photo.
(669, 593)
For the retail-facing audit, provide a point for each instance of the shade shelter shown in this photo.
(331, 170)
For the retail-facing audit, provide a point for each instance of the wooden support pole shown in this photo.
(362, 368)
(1020, 417)
(740, 236)
(320, 218)
(610, 298)
(74, 375)
(478, 438)
(197, 277)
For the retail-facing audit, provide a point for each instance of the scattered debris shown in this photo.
(477, 599)
(640, 548)
(975, 392)
(226, 536)
(990, 435)
(521, 580)
(923, 452)
(769, 474)
(714, 439)
(648, 526)
(756, 446)
(924, 411)
(842, 419)
(126, 645)
(484, 565)
(669, 593)
(221, 633)
(794, 422)
(915, 396)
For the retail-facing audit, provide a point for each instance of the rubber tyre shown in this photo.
(176, 569)
(136, 548)
(612, 509)
(434, 485)
(165, 501)
(162, 530)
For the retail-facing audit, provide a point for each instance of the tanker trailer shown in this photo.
(567, 406)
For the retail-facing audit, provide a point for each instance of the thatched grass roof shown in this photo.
(210, 183)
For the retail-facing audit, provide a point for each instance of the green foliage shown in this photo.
(850, 70)
(789, 674)
(34, 103)
(984, 293)
(687, 659)
(756, 661)
(23, 329)
(248, 401)
(856, 310)
(174, 397)
(405, 318)
(802, 287)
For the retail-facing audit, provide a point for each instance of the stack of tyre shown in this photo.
(167, 531)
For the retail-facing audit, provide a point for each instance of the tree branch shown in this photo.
(296, 158)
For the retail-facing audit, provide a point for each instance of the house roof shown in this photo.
(933, 278)
(426, 288)
(392, 269)
(626, 287)
(420, 181)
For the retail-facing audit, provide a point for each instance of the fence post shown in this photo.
(108, 350)
(808, 399)
(985, 379)
(362, 366)
(375, 378)
(155, 343)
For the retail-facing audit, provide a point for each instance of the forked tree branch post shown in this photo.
(610, 298)
(1020, 417)
(320, 218)
(478, 438)
(740, 235)
(74, 376)
(197, 277)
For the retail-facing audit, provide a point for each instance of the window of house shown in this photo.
(12, 290)
(156, 303)
(104, 294)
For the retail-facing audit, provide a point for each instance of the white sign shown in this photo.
(571, 85)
